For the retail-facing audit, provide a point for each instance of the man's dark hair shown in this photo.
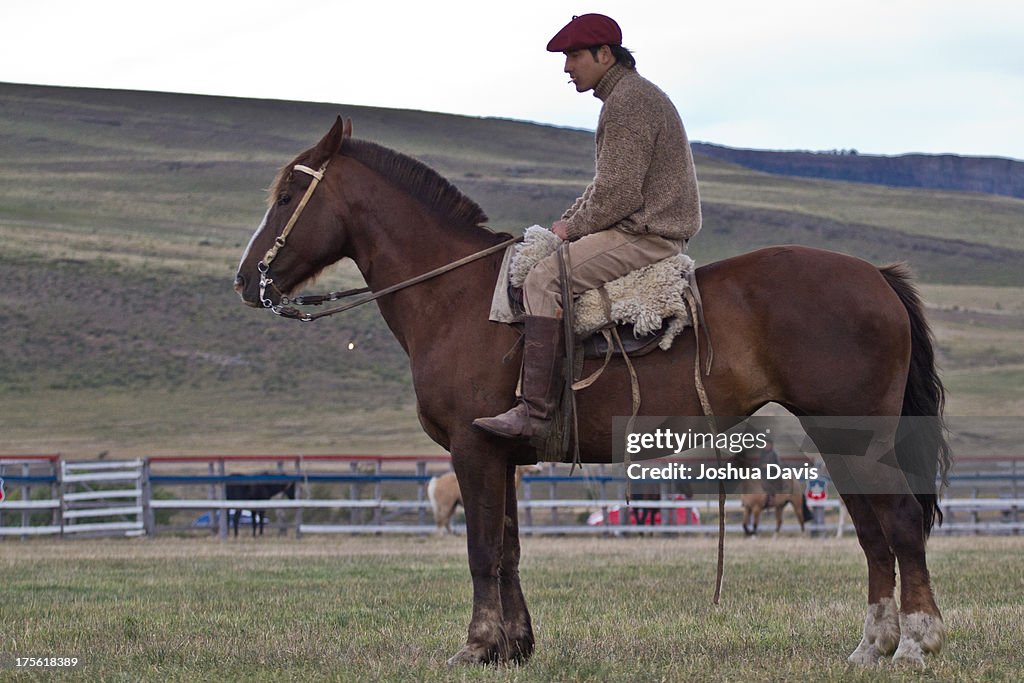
(621, 54)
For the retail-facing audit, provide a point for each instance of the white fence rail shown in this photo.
(117, 498)
(95, 491)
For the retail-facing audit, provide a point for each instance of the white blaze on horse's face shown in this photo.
(240, 280)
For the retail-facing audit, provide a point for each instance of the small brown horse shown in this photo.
(820, 333)
(755, 500)
(757, 495)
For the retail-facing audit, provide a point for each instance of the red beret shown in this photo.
(586, 30)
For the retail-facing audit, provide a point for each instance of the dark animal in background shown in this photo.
(255, 491)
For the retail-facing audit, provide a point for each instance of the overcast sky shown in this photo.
(879, 76)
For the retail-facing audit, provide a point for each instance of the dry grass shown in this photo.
(393, 609)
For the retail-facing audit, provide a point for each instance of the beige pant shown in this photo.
(596, 259)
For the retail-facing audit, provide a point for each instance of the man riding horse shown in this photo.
(641, 207)
(817, 332)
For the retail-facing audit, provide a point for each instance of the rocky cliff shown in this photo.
(991, 175)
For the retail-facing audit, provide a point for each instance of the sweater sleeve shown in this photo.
(617, 189)
(571, 211)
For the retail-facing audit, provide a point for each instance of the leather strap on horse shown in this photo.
(264, 265)
(571, 433)
(693, 302)
(314, 300)
(568, 316)
(609, 346)
(280, 239)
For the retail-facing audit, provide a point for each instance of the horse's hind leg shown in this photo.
(518, 627)
(881, 625)
(921, 628)
(897, 520)
(444, 520)
(799, 506)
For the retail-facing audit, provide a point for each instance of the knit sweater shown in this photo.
(644, 180)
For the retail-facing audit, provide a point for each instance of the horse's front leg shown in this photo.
(518, 627)
(482, 475)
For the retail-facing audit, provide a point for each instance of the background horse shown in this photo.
(255, 491)
(756, 495)
(820, 333)
(444, 495)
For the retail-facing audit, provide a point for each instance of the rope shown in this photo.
(692, 298)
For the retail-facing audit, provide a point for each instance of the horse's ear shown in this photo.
(331, 143)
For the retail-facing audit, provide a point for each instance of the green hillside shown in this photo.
(123, 215)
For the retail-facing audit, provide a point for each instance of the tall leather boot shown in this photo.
(543, 358)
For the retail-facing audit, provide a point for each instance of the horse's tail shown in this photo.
(922, 447)
(432, 496)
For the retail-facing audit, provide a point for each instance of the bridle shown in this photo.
(264, 265)
(284, 308)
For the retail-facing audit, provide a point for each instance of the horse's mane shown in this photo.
(412, 176)
(419, 180)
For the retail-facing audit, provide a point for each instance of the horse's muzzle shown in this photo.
(240, 288)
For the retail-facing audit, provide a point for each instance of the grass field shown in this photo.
(360, 609)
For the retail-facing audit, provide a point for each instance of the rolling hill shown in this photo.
(123, 215)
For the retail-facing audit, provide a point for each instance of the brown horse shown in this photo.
(757, 495)
(818, 332)
(755, 500)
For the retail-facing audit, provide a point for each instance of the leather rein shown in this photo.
(285, 307)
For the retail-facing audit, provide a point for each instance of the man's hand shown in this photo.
(559, 228)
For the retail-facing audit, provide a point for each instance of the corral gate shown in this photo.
(102, 497)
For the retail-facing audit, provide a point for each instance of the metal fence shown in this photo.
(369, 494)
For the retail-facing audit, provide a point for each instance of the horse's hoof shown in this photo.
(473, 654)
(467, 655)
(865, 655)
(909, 654)
(521, 649)
(921, 634)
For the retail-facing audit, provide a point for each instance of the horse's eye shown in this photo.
(284, 199)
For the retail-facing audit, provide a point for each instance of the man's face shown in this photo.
(585, 70)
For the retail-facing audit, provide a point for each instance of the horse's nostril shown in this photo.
(239, 283)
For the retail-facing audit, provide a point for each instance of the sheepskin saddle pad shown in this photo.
(649, 299)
